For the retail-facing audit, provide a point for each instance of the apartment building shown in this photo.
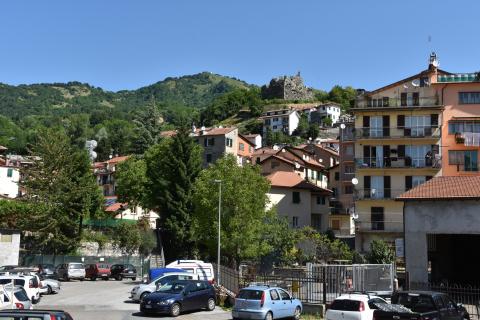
(285, 121)
(397, 147)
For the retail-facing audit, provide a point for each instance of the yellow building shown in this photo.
(397, 132)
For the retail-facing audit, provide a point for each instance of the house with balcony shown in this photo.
(285, 121)
(397, 147)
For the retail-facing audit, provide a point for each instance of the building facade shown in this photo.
(397, 147)
(285, 121)
(217, 142)
(9, 181)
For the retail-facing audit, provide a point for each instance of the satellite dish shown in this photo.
(416, 83)
(435, 63)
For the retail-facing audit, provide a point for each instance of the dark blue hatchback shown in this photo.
(180, 296)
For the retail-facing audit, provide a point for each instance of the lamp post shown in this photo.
(219, 216)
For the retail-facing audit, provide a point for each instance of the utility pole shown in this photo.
(219, 225)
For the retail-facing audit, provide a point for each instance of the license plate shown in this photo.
(130, 271)
(104, 275)
(148, 307)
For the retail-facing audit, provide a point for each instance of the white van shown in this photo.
(204, 270)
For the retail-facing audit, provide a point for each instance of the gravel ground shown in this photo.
(108, 300)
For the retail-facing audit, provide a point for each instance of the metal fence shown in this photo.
(316, 283)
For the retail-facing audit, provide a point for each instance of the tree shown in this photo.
(243, 222)
(303, 125)
(327, 121)
(343, 95)
(131, 182)
(60, 181)
(313, 131)
(172, 167)
(147, 128)
(380, 252)
(269, 137)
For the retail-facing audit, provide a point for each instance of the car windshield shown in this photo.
(17, 282)
(172, 287)
(416, 303)
(250, 294)
(21, 295)
(76, 266)
(345, 305)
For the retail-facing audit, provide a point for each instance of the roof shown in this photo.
(117, 159)
(246, 139)
(115, 207)
(2, 148)
(464, 118)
(168, 133)
(279, 158)
(442, 188)
(265, 116)
(214, 131)
(284, 179)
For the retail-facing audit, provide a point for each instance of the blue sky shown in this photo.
(120, 44)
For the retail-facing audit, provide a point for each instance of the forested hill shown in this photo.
(197, 91)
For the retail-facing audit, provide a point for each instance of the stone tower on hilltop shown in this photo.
(287, 88)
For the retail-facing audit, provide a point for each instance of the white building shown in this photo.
(285, 121)
(9, 178)
(327, 110)
(255, 138)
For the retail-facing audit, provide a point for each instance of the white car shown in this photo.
(196, 267)
(353, 307)
(29, 283)
(20, 299)
(139, 292)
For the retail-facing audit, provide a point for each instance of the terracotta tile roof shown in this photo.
(169, 133)
(2, 148)
(115, 207)
(274, 156)
(264, 151)
(284, 179)
(117, 159)
(445, 188)
(214, 131)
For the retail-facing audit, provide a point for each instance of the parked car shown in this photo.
(97, 270)
(353, 307)
(49, 286)
(7, 267)
(423, 305)
(139, 292)
(19, 300)
(34, 314)
(29, 283)
(154, 273)
(121, 271)
(180, 296)
(72, 270)
(46, 270)
(197, 267)
(265, 302)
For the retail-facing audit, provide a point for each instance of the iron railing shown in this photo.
(397, 132)
(409, 101)
(377, 194)
(398, 162)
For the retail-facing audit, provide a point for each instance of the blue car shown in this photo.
(265, 302)
(179, 296)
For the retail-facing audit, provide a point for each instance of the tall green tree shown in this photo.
(243, 220)
(172, 167)
(60, 180)
(343, 95)
(131, 182)
(147, 128)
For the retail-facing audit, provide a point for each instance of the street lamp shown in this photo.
(354, 214)
(219, 216)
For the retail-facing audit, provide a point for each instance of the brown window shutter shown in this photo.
(401, 151)
(386, 101)
(416, 99)
(400, 121)
(386, 156)
(434, 120)
(387, 187)
(366, 121)
(403, 99)
(366, 182)
(386, 126)
(428, 178)
(408, 183)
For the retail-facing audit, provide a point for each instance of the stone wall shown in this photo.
(9, 247)
(93, 249)
(287, 88)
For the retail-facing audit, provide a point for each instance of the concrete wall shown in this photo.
(435, 217)
(9, 247)
(9, 185)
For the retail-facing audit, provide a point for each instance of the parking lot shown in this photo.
(108, 300)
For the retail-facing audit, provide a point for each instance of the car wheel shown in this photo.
(105, 278)
(133, 279)
(119, 277)
(269, 316)
(143, 295)
(211, 304)
(175, 310)
(81, 279)
(93, 278)
(298, 312)
(49, 290)
(35, 301)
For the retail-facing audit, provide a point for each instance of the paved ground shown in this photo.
(108, 300)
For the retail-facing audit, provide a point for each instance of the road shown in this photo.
(108, 300)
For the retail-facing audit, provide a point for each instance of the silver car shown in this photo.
(72, 270)
(141, 291)
(49, 286)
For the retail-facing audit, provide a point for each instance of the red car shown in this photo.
(97, 270)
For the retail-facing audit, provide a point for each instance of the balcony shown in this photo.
(377, 194)
(378, 226)
(398, 162)
(398, 132)
(407, 102)
(461, 77)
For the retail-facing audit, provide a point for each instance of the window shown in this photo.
(9, 172)
(335, 224)
(469, 97)
(257, 160)
(377, 218)
(250, 294)
(417, 126)
(321, 200)
(465, 160)
(294, 222)
(267, 122)
(418, 156)
(296, 197)
(275, 119)
(463, 126)
(274, 295)
(274, 127)
(5, 238)
(209, 157)
(349, 169)
(241, 146)
(209, 142)
(283, 294)
(348, 189)
(376, 126)
(229, 142)
(418, 180)
(317, 222)
(337, 176)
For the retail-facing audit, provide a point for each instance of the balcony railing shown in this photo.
(386, 102)
(378, 226)
(377, 194)
(398, 162)
(398, 132)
